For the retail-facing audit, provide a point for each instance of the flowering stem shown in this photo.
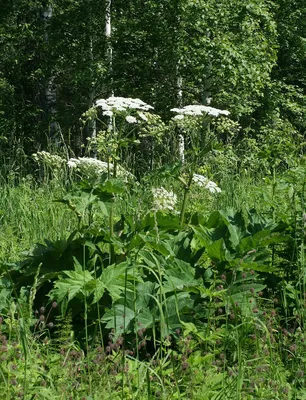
(111, 212)
(111, 232)
(185, 198)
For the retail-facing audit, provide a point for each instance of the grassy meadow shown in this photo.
(160, 285)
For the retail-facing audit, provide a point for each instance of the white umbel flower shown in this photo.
(142, 116)
(108, 113)
(48, 159)
(72, 163)
(197, 110)
(92, 167)
(178, 117)
(113, 104)
(202, 181)
(130, 119)
(163, 200)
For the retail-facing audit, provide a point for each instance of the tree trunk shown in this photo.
(92, 125)
(179, 82)
(109, 49)
(50, 93)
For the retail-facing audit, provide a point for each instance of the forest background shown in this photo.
(57, 58)
(124, 272)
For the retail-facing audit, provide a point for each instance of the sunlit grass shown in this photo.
(254, 351)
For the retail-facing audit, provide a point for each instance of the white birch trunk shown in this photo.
(50, 93)
(179, 82)
(92, 125)
(109, 49)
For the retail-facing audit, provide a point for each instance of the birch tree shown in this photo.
(50, 92)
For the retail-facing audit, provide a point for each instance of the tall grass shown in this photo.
(28, 215)
(255, 354)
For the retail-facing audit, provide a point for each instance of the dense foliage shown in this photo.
(153, 248)
(56, 60)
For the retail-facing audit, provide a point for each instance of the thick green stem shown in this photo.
(185, 198)
(86, 322)
(111, 232)
(111, 213)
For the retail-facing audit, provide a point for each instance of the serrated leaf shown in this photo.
(119, 317)
(117, 279)
(145, 318)
(216, 250)
(71, 286)
(98, 291)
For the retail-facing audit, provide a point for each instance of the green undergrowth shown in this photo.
(116, 299)
(28, 215)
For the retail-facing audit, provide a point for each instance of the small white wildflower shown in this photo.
(130, 119)
(163, 200)
(196, 110)
(213, 187)
(202, 181)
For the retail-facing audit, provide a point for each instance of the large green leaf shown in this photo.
(216, 250)
(145, 318)
(73, 285)
(144, 292)
(162, 247)
(119, 278)
(179, 276)
(178, 305)
(118, 317)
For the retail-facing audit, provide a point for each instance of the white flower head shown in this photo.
(202, 181)
(48, 159)
(93, 168)
(130, 119)
(178, 117)
(121, 104)
(142, 116)
(163, 200)
(197, 110)
(108, 113)
(72, 163)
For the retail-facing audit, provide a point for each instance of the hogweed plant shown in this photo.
(93, 169)
(124, 123)
(163, 200)
(194, 121)
(151, 307)
(202, 181)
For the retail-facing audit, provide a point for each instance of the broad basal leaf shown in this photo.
(118, 278)
(179, 275)
(119, 317)
(216, 250)
(73, 285)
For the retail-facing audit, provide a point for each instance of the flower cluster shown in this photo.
(113, 104)
(130, 119)
(198, 110)
(48, 159)
(202, 181)
(163, 200)
(93, 168)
